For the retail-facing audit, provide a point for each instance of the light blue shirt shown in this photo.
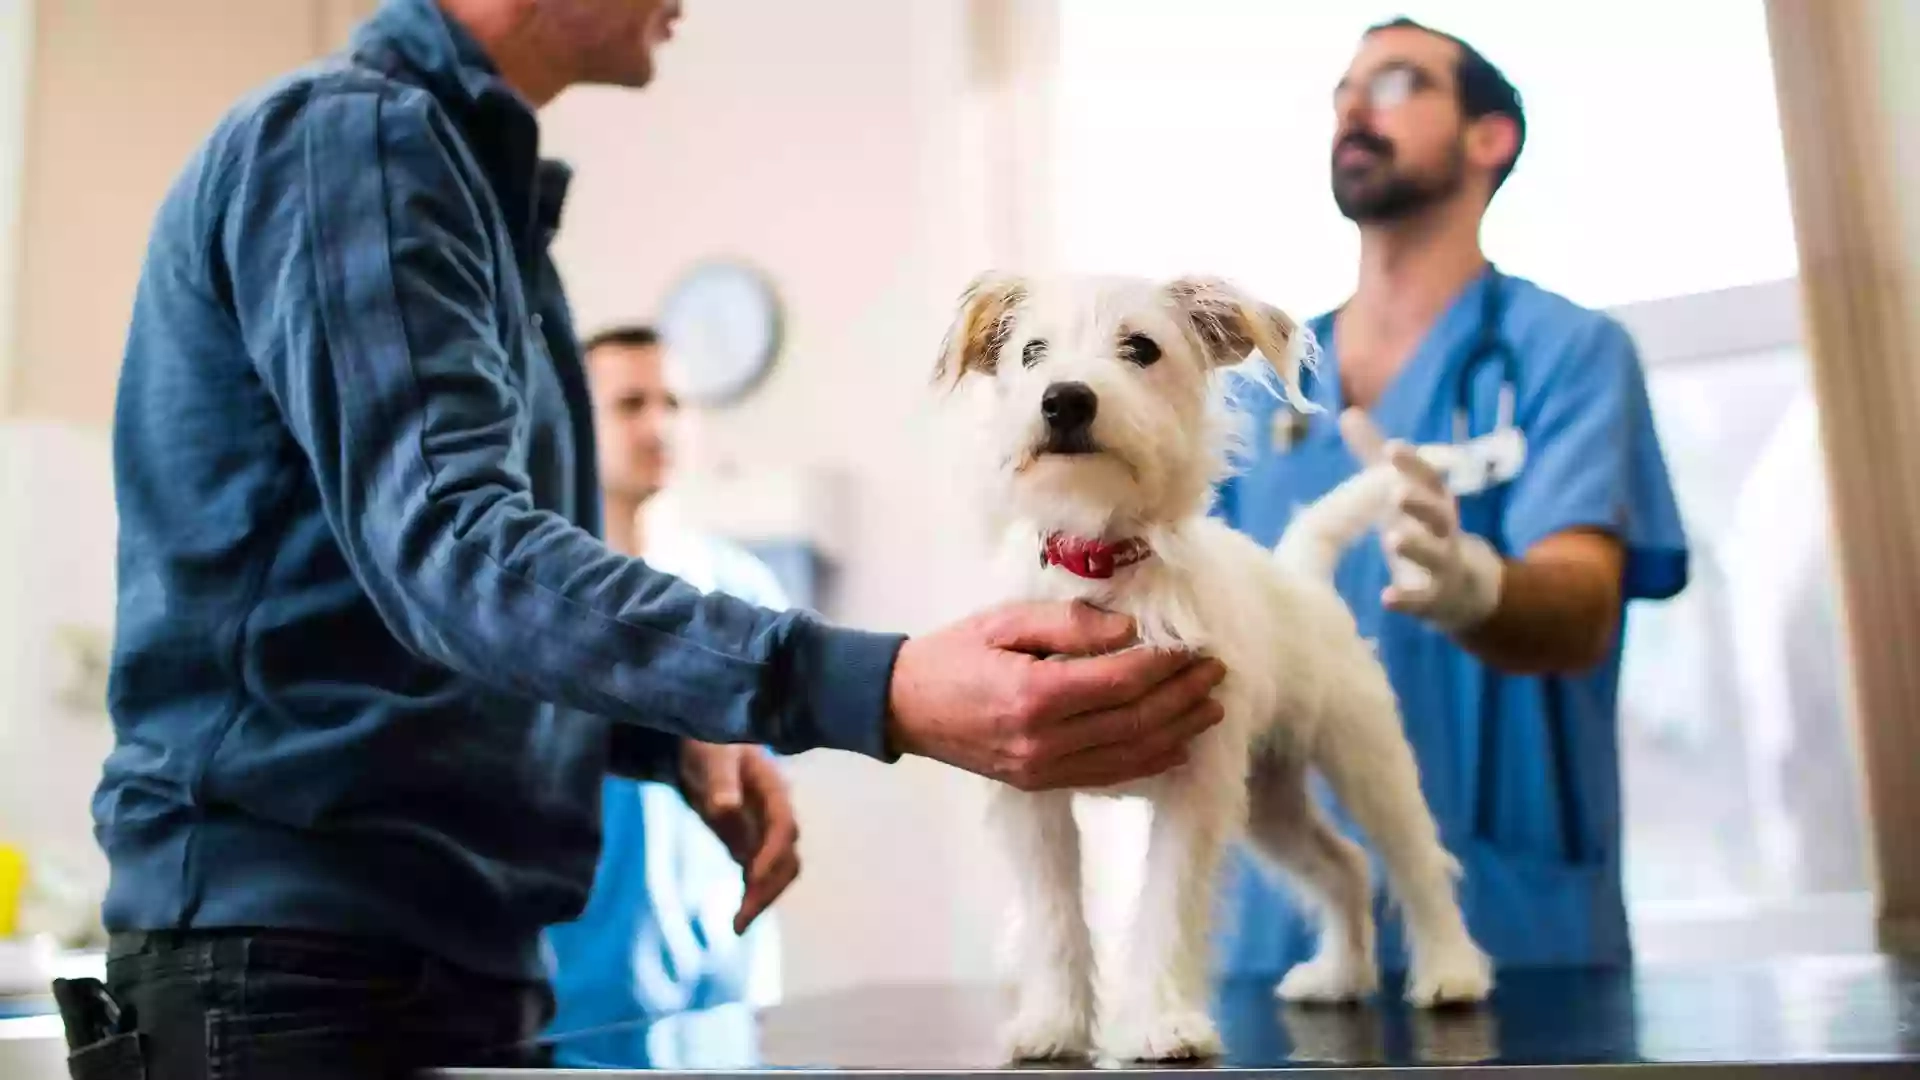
(1522, 773)
(656, 938)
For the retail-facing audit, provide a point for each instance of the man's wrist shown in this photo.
(895, 735)
(1483, 574)
(682, 763)
(845, 678)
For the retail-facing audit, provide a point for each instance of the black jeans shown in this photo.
(199, 1005)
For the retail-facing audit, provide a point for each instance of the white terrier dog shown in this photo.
(1109, 428)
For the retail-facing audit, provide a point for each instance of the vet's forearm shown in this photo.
(1554, 617)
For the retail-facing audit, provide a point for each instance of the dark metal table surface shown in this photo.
(1830, 1017)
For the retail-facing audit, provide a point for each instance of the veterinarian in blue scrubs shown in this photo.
(1507, 665)
(657, 936)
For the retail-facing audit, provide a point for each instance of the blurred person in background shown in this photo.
(1503, 632)
(666, 928)
(372, 660)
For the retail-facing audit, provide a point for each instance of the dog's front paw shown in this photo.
(1179, 1034)
(1036, 1034)
(1458, 975)
(1328, 980)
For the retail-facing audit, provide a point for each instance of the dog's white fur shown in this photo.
(1304, 690)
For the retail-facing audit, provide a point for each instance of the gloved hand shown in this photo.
(1442, 574)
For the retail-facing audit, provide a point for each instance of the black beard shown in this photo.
(1379, 194)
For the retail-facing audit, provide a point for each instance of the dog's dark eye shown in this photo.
(1035, 350)
(1139, 349)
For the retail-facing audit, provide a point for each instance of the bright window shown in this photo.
(1193, 137)
(1738, 758)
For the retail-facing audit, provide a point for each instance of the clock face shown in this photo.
(721, 327)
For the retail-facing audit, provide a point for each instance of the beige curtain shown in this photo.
(1848, 74)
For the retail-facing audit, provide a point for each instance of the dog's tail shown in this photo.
(1322, 531)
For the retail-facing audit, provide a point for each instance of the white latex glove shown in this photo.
(1441, 574)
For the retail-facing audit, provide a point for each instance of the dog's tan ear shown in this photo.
(980, 326)
(1230, 325)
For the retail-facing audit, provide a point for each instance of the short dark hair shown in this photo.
(630, 335)
(1483, 89)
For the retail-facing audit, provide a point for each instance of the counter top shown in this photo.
(1843, 1016)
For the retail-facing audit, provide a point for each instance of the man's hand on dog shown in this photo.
(979, 696)
(743, 798)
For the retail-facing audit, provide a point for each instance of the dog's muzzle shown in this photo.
(1068, 409)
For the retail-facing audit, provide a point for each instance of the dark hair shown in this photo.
(1483, 90)
(631, 335)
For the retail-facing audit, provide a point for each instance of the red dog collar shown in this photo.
(1096, 559)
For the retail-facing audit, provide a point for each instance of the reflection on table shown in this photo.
(1813, 1010)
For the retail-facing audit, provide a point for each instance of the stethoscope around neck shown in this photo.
(1488, 347)
(1481, 461)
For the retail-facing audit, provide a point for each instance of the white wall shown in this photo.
(57, 552)
(832, 144)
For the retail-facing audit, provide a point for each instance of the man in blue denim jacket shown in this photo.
(372, 659)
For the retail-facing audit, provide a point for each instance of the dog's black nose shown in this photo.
(1069, 406)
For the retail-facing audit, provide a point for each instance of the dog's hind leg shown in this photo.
(1327, 870)
(1052, 948)
(1363, 752)
(1160, 1004)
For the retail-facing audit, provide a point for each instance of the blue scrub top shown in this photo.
(656, 936)
(1522, 773)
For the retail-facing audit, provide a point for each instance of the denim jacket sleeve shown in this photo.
(365, 278)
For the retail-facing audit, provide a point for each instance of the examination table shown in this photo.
(1785, 1019)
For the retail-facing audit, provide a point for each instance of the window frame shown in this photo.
(1712, 327)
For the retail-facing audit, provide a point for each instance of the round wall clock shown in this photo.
(721, 325)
